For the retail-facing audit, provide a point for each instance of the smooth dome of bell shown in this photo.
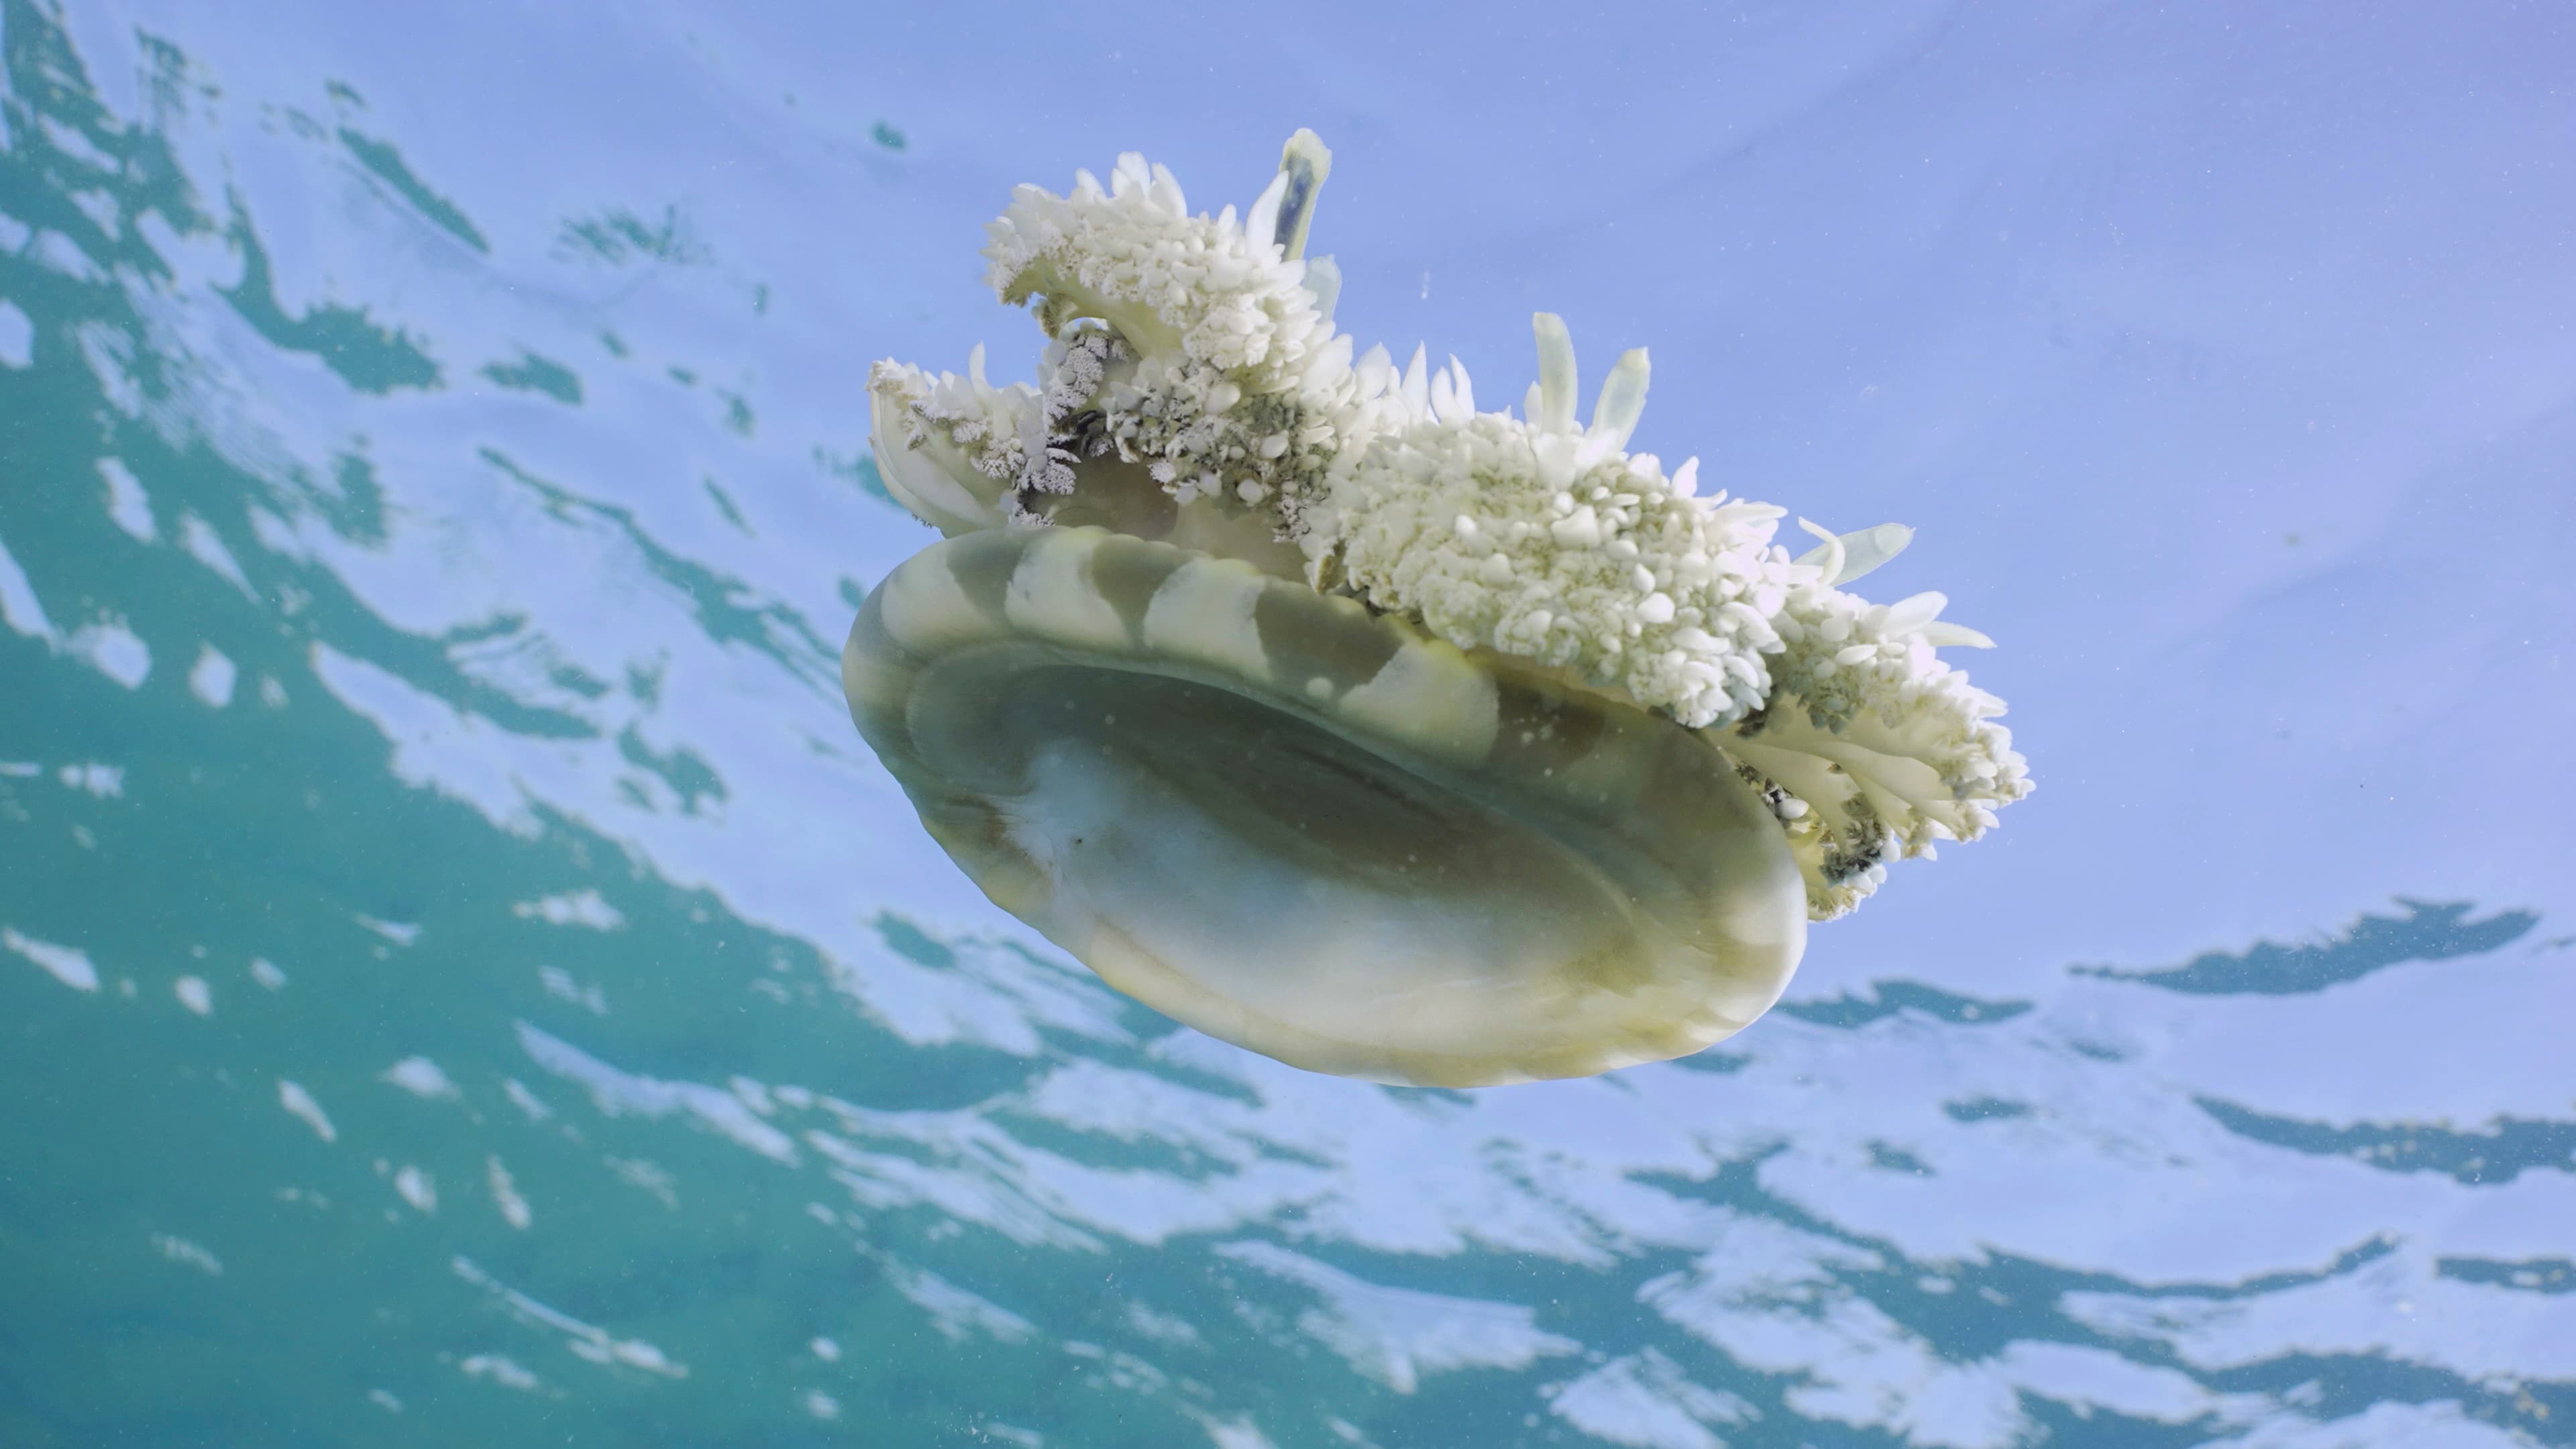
(1308, 829)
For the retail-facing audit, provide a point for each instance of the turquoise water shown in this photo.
(462, 980)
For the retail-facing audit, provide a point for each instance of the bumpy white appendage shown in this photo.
(949, 448)
(1872, 747)
(1494, 535)
(1545, 540)
(1234, 392)
(1208, 290)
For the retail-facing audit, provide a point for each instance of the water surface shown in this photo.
(463, 980)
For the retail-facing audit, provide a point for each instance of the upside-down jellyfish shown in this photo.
(1319, 710)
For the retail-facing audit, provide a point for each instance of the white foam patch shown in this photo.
(17, 336)
(439, 747)
(278, 536)
(108, 351)
(188, 1254)
(107, 782)
(985, 993)
(500, 1369)
(417, 1188)
(65, 964)
(752, 1093)
(401, 933)
(940, 1160)
(211, 677)
(299, 1104)
(19, 608)
(1235, 1434)
(128, 506)
(957, 1313)
(207, 547)
(586, 1340)
(1163, 1327)
(421, 1077)
(2441, 1425)
(1772, 1298)
(1399, 1336)
(2400, 1306)
(526, 1101)
(560, 985)
(113, 650)
(68, 139)
(646, 1176)
(1645, 1400)
(2099, 1380)
(617, 1093)
(576, 908)
(513, 1208)
(100, 207)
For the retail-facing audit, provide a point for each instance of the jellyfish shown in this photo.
(1319, 710)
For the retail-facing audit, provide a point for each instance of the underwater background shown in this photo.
(463, 980)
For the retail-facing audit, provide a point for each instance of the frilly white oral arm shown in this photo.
(1873, 747)
(949, 448)
(1176, 287)
(1235, 393)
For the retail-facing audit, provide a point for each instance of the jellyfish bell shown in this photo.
(1311, 830)
(1324, 713)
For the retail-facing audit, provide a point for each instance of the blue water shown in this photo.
(463, 981)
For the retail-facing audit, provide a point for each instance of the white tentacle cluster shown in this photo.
(1202, 350)
(1877, 747)
(1545, 540)
(949, 448)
